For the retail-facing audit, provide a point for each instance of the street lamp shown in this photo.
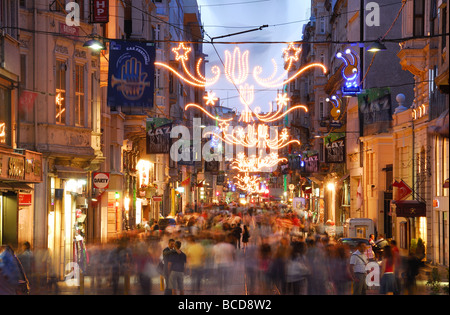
(94, 44)
(377, 46)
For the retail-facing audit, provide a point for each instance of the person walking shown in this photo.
(237, 232)
(170, 249)
(245, 237)
(27, 260)
(358, 262)
(224, 254)
(388, 284)
(196, 256)
(176, 269)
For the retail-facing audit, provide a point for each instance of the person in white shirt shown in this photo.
(224, 253)
(358, 262)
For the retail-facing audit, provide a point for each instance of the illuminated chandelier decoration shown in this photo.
(248, 183)
(257, 133)
(255, 164)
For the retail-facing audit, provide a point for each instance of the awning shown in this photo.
(20, 186)
(70, 172)
(5, 186)
(410, 208)
(15, 186)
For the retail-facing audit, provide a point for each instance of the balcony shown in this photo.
(413, 54)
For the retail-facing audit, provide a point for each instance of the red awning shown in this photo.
(410, 208)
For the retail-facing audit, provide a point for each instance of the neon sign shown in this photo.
(350, 72)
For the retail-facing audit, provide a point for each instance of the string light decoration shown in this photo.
(210, 98)
(254, 135)
(255, 163)
(199, 81)
(248, 183)
(257, 133)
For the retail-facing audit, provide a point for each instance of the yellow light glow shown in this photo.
(126, 203)
(2, 132)
(143, 168)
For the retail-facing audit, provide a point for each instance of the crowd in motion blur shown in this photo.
(208, 252)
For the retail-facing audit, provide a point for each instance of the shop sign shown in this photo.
(16, 168)
(101, 180)
(335, 150)
(158, 139)
(99, 11)
(71, 32)
(411, 208)
(24, 199)
(312, 163)
(33, 167)
(157, 198)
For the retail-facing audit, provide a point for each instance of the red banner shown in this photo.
(100, 11)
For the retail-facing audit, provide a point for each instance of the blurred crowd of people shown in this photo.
(207, 248)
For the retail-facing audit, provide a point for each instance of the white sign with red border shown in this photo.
(100, 180)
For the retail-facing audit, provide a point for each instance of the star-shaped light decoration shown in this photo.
(291, 53)
(210, 98)
(282, 99)
(184, 54)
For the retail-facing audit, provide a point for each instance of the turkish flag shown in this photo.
(403, 190)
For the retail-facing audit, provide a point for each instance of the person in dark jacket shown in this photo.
(170, 249)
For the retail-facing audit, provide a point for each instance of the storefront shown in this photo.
(67, 213)
(19, 172)
(411, 221)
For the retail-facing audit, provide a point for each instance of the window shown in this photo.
(5, 115)
(23, 72)
(322, 25)
(444, 27)
(321, 150)
(79, 95)
(419, 14)
(389, 177)
(93, 103)
(434, 27)
(60, 98)
(8, 16)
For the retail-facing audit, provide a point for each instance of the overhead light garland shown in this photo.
(257, 133)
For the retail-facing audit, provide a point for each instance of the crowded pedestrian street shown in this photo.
(222, 148)
(220, 262)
